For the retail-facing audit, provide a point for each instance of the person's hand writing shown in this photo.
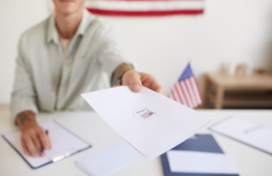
(135, 80)
(33, 139)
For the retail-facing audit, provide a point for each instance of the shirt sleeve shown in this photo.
(110, 57)
(23, 96)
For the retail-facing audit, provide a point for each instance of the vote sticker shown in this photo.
(145, 113)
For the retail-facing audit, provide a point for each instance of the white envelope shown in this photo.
(200, 162)
(110, 160)
(150, 122)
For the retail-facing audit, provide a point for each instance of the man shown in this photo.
(69, 53)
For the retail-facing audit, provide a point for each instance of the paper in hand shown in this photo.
(150, 122)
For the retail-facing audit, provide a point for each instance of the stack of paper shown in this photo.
(110, 160)
(247, 132)
(150, 122)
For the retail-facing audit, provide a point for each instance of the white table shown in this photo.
(93, 129)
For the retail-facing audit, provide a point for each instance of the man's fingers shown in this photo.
(133, 80)
(159, 90)
(135, 87)
(157, 87)
(37, 143)
(24, 147)
(44, 139)
(116, 86)
(30, 146)
(151, 82)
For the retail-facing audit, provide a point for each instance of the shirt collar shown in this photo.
(52, 32)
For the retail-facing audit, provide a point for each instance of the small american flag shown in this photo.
(186, 90)
(147, 114)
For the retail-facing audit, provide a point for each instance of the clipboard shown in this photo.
(64, 144)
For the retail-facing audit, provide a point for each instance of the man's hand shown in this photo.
(135, 80)
(34, 139)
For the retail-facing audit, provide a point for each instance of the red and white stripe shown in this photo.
(145, 7)
(186, 92)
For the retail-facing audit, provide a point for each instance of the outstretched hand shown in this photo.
(135, 80)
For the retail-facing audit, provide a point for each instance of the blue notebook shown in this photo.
(201, 143)
(64, 144)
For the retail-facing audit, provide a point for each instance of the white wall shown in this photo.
(230, 30)
(15, 17)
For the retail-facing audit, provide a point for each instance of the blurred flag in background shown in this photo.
(145, 7)
(186, 90)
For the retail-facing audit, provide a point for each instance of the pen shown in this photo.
(46, 131)
(253, 129)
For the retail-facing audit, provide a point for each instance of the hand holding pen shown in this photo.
(34, 138)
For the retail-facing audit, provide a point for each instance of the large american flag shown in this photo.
(145, 7)
(186, 90)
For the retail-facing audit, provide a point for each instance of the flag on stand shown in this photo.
(145, 7)
(186, 90)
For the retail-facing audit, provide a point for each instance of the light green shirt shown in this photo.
(44, 83)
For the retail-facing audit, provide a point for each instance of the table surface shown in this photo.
(251, 81)
(89, 126)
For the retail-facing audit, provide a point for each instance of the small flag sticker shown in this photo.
(144, 113)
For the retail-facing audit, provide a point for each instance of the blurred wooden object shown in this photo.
(4, 106)
(4, 112)
(234, 91)
(241, 70)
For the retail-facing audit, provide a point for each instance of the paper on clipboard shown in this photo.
(63, 143)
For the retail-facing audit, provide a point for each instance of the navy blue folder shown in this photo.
(201, 143)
